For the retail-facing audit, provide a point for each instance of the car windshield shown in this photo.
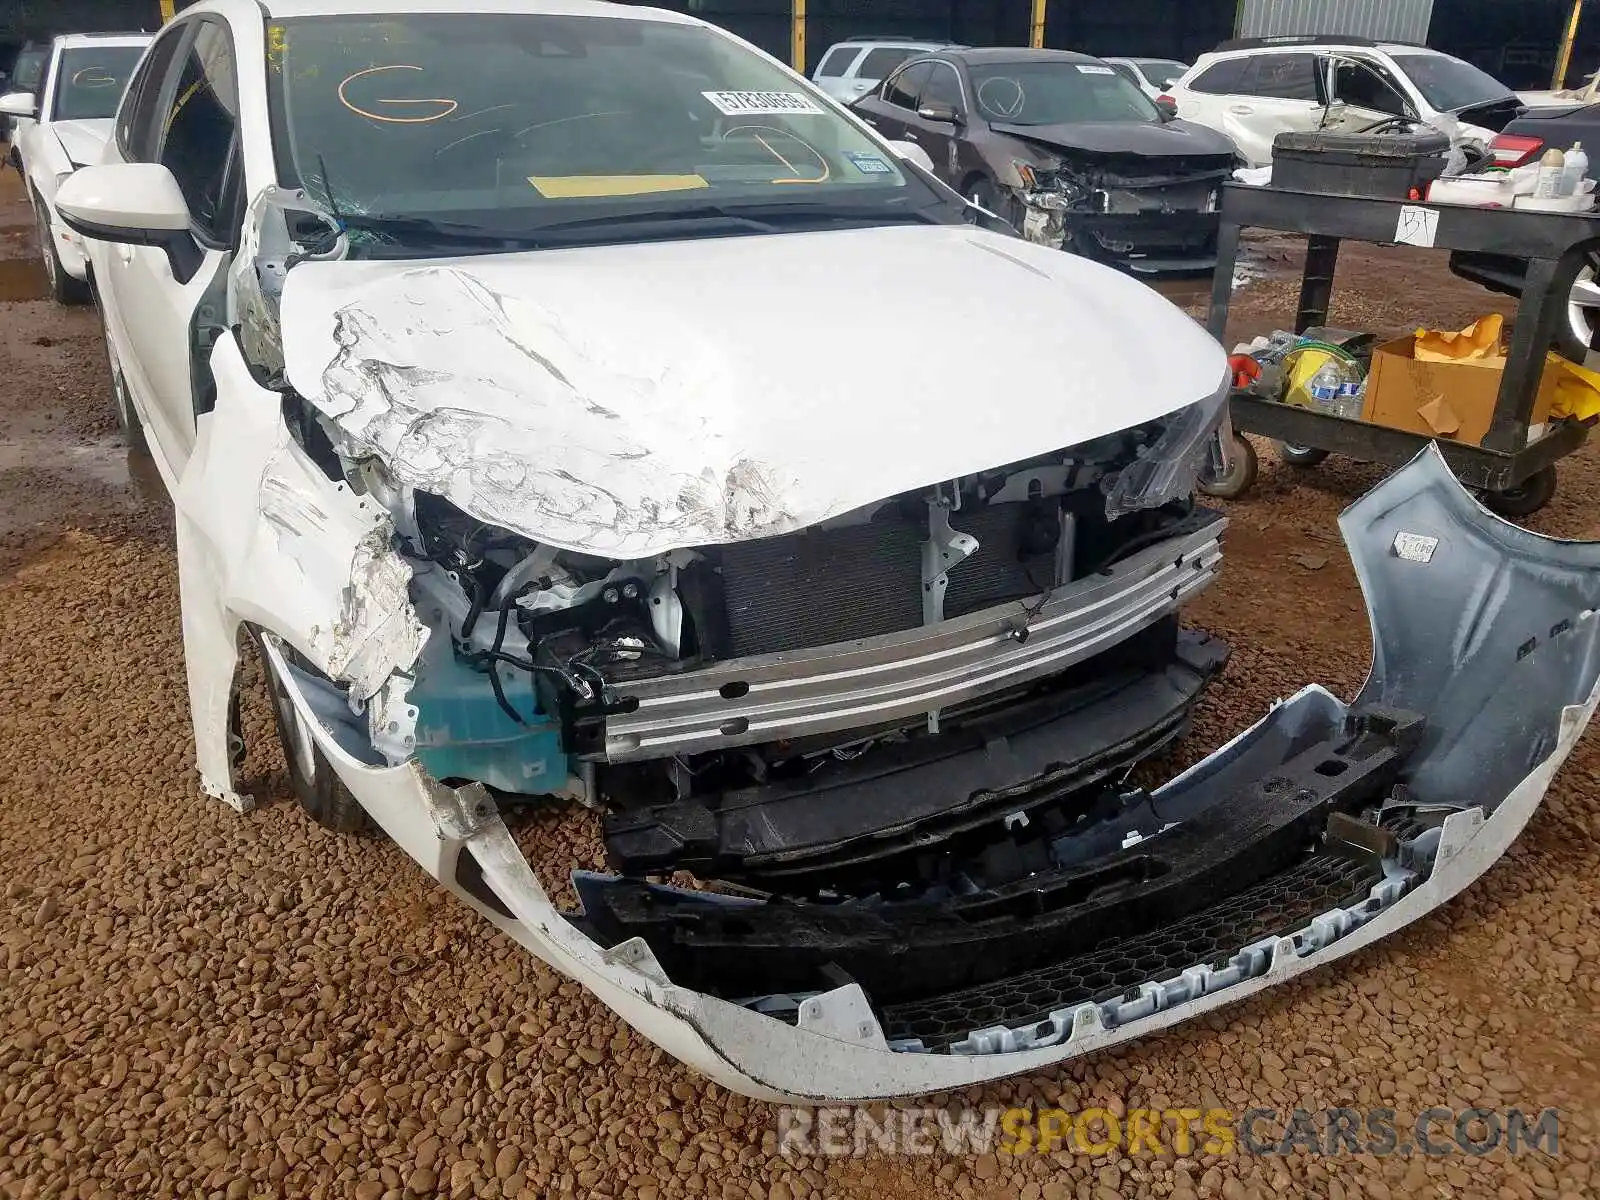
(91, 80)
(521, 122)
(1161, 72)
(1448, 83)
(1057, 93)
(27, 69)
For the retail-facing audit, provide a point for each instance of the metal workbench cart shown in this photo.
(1515, 476)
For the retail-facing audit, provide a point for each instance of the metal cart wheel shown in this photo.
(1527, 498)
(1300, 456)
(1240, 478)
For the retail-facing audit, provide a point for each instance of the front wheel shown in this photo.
(64, 288)
(316, 786)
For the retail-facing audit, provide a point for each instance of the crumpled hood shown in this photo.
(84, 141)
(1169, 139)
(627, 400)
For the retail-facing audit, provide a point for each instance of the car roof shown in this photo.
(289, 9)
(1324, 43)
(1016, 54)
(74, 41)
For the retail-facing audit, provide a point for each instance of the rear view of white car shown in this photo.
(1152, 76)
(1254, 89)
(851, 69)
(66, 123)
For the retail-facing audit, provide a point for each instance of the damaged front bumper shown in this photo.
(1145, 243)
(1317, 831)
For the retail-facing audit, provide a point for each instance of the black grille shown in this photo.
(1002, 569)
(1279, 905)
(822, 586)
(832, 585)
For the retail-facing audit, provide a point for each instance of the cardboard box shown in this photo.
(1441, 399)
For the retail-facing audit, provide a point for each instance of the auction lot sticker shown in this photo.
(762, 104)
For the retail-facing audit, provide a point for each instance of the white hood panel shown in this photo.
(84, 141)
(628, 400)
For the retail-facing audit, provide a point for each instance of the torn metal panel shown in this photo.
(296, 554)
(267, 250)
(584, 398)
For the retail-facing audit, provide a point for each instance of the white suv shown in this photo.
(852, 68)
(1254, 89)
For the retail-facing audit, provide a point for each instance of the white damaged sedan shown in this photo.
(569, 402)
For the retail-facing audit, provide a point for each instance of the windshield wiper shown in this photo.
(771, 217)
(422, 229)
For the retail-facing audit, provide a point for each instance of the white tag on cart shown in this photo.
(1416, 225)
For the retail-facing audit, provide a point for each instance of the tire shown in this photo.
(127, 417)
(1527, 498)
(1240, 479)
(64, 289)
(1300, 456)
(1580, 281)
(318, 789)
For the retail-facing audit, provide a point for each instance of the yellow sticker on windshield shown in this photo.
(567, 187)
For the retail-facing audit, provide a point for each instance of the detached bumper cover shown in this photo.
(1486, 663)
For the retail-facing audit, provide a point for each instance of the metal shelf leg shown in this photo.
(1316, 284)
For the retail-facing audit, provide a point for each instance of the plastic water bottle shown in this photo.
(1574, 170)
(1547, 183)
(1352, 398)
(1324, 387)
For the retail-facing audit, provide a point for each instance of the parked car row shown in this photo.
(63, 121)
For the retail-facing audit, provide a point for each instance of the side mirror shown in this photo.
(936, 110)
(912, 152)
(18, 104)
(135, 204)
(1167, 107)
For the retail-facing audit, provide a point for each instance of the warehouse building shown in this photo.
(1515, 40)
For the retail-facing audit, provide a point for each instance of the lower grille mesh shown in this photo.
(1278, 905)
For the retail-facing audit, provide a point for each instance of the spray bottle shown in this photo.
(1547, 184)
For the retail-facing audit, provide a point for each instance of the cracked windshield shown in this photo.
(518, 123)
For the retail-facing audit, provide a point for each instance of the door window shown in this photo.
(138, 118)
(881, 61)
(903, 89)
(1286, 76)
(1367, 85)
(836, 63)
(201, 127)
(942, 87)
(1230, 77)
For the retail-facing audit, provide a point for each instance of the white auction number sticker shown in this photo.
(762, 104)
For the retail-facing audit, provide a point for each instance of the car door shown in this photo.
(941, 139)
(895, 104)
(184, 117)
(1364, 93)
(1283, 96)
(876, 66)
(833, 72)
(1205, 98)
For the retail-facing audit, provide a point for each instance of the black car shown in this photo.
(1523, 141)
(1064, 148)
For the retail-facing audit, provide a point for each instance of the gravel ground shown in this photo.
(198, 1004)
